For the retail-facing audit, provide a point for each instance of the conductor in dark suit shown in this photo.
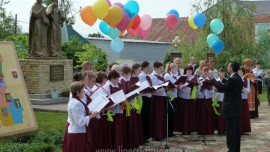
(231, 107)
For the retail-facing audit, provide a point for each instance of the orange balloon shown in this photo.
(108, 22)
(122, 33)
(131, 22)
(87, 16)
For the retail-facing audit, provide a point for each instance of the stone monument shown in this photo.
(45, 70)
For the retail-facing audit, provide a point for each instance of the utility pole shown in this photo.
(15, 25)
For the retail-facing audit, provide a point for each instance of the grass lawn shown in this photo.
(263, 96)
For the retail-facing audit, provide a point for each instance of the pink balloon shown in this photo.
(171, 21)
(132, 31)
(144, 33)
(146, 22)
(120, 5)
(124, 23)
(109, 2)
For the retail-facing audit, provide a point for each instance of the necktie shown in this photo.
(149, 80)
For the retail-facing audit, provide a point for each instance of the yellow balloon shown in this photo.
(100, 9)
(191, 22)
(115, 15)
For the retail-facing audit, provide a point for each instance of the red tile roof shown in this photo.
(161, 33)
(262, 19)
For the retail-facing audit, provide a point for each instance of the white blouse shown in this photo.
(118, 108)
(220, 94)
(142, 78)
(169, 77)
(186, 92)
(245, 91)
(156, 81)
(258, 73)
(208, 94)
(77, 117)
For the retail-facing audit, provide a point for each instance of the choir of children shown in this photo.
(127, 125)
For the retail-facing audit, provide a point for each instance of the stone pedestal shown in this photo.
(43, 75)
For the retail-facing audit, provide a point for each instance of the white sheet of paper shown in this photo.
(136, 91)
(98, 103)
(118, 97)
(100, 91)
(144, 85)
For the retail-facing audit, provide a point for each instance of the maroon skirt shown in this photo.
(140, 128)
(245, 118)
(65, 144)
(118, 131)
(78, 142)
(94, 127)
(205, 117)
(105, 133)
(133, 137)
(219, 120)
(189, 115)
(157, 118)
(179, 115)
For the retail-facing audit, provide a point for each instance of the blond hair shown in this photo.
(170, 66)
(117, 68)
(91, 75)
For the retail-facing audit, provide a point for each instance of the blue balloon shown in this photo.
(103, 27)
(216, 26)
(113, 32)
(218, 46)
(132, 8)
(211, 38)
(199, 20)
(117, 45)
(174, 12)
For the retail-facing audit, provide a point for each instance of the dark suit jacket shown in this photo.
(232, 101)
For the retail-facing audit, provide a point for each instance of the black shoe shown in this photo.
(171, 135)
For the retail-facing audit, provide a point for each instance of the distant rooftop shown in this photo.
(262, 7)
(68, 32)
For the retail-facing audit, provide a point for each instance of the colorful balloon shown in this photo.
(218, 46)
(133, 32)
(103, 27)
(87, 16)
(132, 8)
(171, 21)
(211, 38)
(146, 22)
(175, 12)
(216, 26)
(191, 22)
(130, 24)
(108, 22)
(100, 9)
(199, 20)
(124, 23)
(122, 33)
(117, 45)
(137, 21)
(109, 3)
(115, 15)
(113, 32)
(144, 33)
(121, 6)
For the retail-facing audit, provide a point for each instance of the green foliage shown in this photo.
(21, 45)
(7, 21)
(99, 35)
(67, 7)
(95, 55)
(238, 34)
(167, 59)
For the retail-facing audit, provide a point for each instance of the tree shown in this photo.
(95, 55)
(66, 7)
(21, 45)
(238, 35)
(98, 35)
(7, 22)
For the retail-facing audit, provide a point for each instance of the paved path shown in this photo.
(257, 141)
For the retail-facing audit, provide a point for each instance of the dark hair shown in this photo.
(144, 64)
(111, 65)
(100, 76)
(78, 76)
(135, 66)
(157, 64)
(113, 75)
(235, 66)
(222, 69)
(258, 63)
(242, 69)
(126, 70)
(188, 67)
(76, 87)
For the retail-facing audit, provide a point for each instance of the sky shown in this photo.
(155, 8)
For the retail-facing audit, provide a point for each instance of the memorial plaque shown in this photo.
(56, 73)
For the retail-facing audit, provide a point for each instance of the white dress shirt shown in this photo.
(245, 90)
(142, 78)
(258, 73)
(170, 77)
(206, 93)
(77, 117)
(118, 108)
(180, 71)
(156, 81)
